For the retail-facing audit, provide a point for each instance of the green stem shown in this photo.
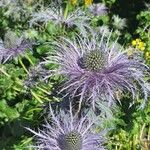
(149, 133)
(45, 98)
(4, 72)
(135, 142)
(65, 16)
(66, 10)
(39, 97)
(23, 66)
(36, 96)
(16, 89)
(43, 90)
(29, 59)
(19, 82)
(142, 130)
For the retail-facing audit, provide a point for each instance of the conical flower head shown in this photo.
(67, 132)
(92, 61)
(71, 141)
(97, 68)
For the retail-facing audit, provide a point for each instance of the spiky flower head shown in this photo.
(67, 132)
(97, 68)
(98, 9)
(119, 23)
(76, 18)
(12, 46)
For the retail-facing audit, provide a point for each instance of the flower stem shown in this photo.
(65, 17)
(29, 59)
(4, 72)
(36, 96)
(142, 131)
(23, 66)
(43, 90)
(66, 10)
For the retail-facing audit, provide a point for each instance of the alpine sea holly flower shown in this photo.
(55, 14)
(12, 46)
(67, 132)
(95, 69)
(98, 9)
(119, 23)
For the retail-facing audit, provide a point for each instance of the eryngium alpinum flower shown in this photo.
(119, 23)
(12, 46)
(98, 9)
(77, 18)
(67, 132)
(95, 69)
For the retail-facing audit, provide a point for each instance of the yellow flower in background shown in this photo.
(137, 40)
(147, 55)
(141, 46)
(73, 2)
(88, 2)
(134, 43)
(138, 44)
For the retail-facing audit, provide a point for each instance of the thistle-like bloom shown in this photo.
(55, 14)
(12, 46)
(98, 9)
(67, 132)
(95, 69)
(119, 23)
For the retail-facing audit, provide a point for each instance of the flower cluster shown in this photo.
(137, 47)
(138, 44)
